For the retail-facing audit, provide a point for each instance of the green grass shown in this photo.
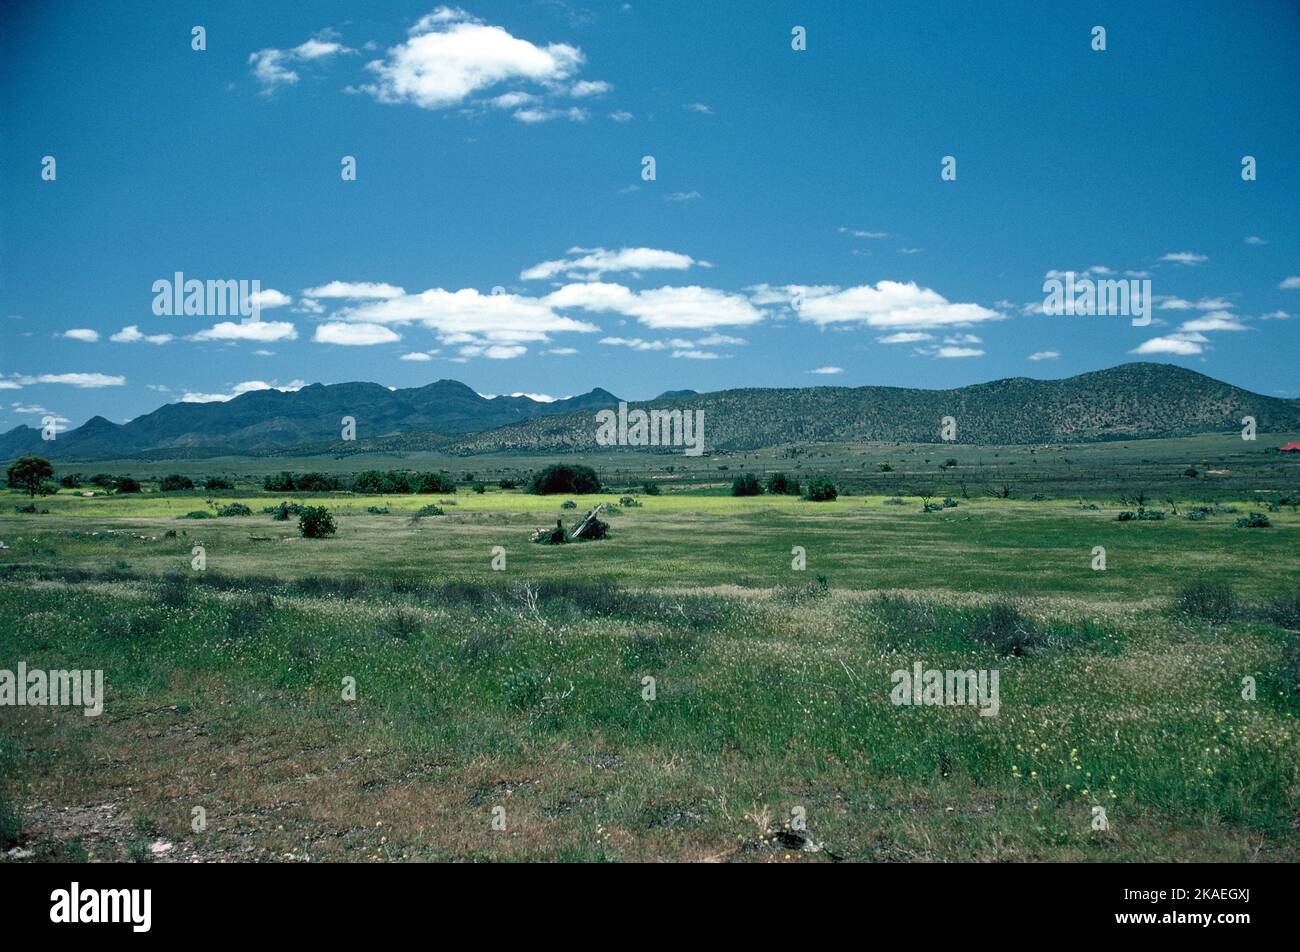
(522, 689)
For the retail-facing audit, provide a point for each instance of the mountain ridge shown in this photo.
(1129, 401)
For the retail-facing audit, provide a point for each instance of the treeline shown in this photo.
(372, 481)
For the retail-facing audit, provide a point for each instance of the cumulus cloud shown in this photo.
(1184, 257)
(417, 356)
(82, 334)
(354, 334)
(1045, 355)
(905, 337)
(451, 56)
(888, 304)
(589, 264)
(702, 108)
(247, 386)
(534, 116)
(1290, 284)
(589, 87)
(1183, 344)
(827, 370)
(358, 290)
(132, 334)
(276, 67)
(1214, 321)
(263, 332)
(83, 381)
(269, 298)
(667, 307)
(466, 316)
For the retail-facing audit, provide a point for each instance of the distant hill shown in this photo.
(1131, 401)
(266, 420)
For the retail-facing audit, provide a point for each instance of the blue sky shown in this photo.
(492, 140)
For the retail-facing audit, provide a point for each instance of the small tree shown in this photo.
(779, 484)
(821, 489)
(29, 473)
(315, 522)
(565, 478)
(746, 485)
(175, 482)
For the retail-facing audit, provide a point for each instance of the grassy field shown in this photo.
(519, 696)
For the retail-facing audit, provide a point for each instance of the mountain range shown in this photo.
(1130, 401)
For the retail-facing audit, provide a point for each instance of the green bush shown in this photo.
(315, 522)
(565, 478)
(174, 483)
(1256, 520)
(651, 489)
(217, 482)
(197, 514)
(746, 485)
(821, 489)
(234, 509)
(779, 484)
(1207, 598)
(428, 483)
(126, 484)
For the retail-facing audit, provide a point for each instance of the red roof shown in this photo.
(1289, 448)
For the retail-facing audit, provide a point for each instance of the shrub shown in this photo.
(279, 483)
(197, 514)
(317, 483)
(1207, 598)
(821, 489)
(507, 484)
(128, 485)
(950, 503)
(779, 484)
(174, 483)
(284, 510)
(1006, 630)
(480, 488)
(217, 482)
(429, 510)
(1256, 520)
(629, 502)
(70, 481)
(1190, 473)
(894, 501)
(104, 481)
(377, 510)
(428, 483)
(565, 478)
(315, 522)
(746, 485)
(234, 509)
(885, 468)
(949, 463)
(651, 489)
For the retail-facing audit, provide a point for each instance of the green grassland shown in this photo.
(523, 688)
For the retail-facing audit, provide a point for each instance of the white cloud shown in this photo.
(82, 381)
(589, 87)
(905, 337)
(537, 397)
(858, 233)
(702, 108)
(446, 61)
(82, 334)
(269, 298)
(1214, 321)
(512, 100)
(889, 304)
(682, 196)
(1182, 345)
(1204, 304)
(1276, 316)
(274, 67)
(589, 264)
(131, 334)
(1045, 355)
(668, 307)
(1184, 257)
(264, 332)
(1290, 284)
(955, 352)
(533, 116)
(354, 289)
(494, 351)
(416, 356)
(247, 386)
(620, 115)
(695, 354)
(466, 316)
(1255, 240)
(827, 370)
(354, 334)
